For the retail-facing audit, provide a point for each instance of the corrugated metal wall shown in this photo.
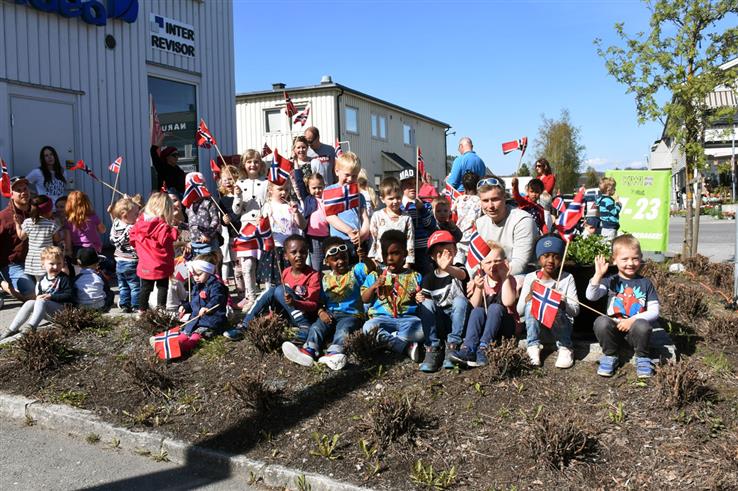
(53, 53)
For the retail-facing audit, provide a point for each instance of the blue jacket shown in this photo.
(468, 162)
(425, 223)
(206, 295)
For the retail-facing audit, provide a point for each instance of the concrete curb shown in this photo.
(80, 423)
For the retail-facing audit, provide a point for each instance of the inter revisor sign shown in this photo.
(90, 11)
(172, 36)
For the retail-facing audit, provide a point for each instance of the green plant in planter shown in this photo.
(583, 250)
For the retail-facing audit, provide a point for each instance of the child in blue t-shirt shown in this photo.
(343, 312)
(608, 209)
(392, 295)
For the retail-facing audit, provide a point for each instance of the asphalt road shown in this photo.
(716, 239)
(33, 458)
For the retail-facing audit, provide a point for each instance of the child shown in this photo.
(468, 208)
(153, 238)
(230, 225)
(124, 214)
(203, 219)
(41, 231)
(89, 285)
(297, 296)
(443, 302)
(392, 295)
(442, 214)
(608, 208)
(632, 307)
(391, 218)
(83, 224)
(343, 312)
(53, 291)
(368, 192)
(591, 226)
(285, 220)
(549, 251)
(492, 296)
(351, 225)
(421, 215)
(317, 225)
(65, 240)
(529, 203)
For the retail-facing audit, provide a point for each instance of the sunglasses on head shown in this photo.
(490, 181)
(336, 249)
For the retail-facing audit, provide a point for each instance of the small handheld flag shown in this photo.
(520, 144)
(115, 165)
(451, 192)
(254, 238)
(302, 117)
(478, 250)
(166, 344)
(204, 138)
(265, 151)
(421, 166)
(181, 272)
(558, 204)
(341, 198)
(80, 165)
(569, 219)
(5, 189)
(194, 189)
(339, 150)
(290, 107)
(544, 303)
(279, 171)
(215, 170)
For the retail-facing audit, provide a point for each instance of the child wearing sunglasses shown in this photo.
(342, 314)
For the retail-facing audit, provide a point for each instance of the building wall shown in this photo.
(45, 55)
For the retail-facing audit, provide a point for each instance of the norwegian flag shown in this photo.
(341, 198)
(80, 165)
(451, 192)
(115, 165)
(5, 189)
(290, 108)
(302, 117)
(339, 150)
(544, 303)
(215, 170)
(420, 164)
(570, 217)
(254, 238)
(478, 250)
(194, 189)
(520, 144)
(265, 151)
(279, 171)
(558, 204)
(166, 344)
(181, 272)
(204, 138)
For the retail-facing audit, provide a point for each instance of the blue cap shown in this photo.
(549, 243)
(593, 222)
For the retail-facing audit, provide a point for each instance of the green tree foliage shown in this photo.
(524, 171)
(592, 179)
(558, 142)
(673, 68)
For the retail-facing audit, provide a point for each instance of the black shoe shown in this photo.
(127, 309)
(433, 361)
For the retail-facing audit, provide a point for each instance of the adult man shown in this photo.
(12, 249)
(323, 157)
(467, 161)
(512, 228)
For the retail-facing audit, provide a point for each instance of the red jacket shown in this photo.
(153, 240)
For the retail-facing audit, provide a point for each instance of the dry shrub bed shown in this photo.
(383, 424)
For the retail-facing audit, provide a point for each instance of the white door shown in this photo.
(35, 124)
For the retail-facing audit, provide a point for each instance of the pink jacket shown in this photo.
(153, 240)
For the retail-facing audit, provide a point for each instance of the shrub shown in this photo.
(254, 392)
(506, 360)
(44, 350)
(147, 372)
(362, 347)
(154, 321)
(722, 328)
(74, 319)
(682, 303)
(392, 418)
(656, 273)
(558, 439)
(682, 383)
(583, 250)
(268, 332)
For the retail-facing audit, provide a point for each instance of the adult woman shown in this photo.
(48, 178)
(543, 172)
(167, 170)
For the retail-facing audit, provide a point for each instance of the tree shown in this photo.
(524, 171)
(672, 70)
(592, 178)
(558, 142)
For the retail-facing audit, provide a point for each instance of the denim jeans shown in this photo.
(335, 332)
(484, 328)
(437, 320)
(16, 275)
(275, 296)
(129, 284)
(561, 329)
(397, 332)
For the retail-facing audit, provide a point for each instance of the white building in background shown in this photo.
(383, 135)
(78, 77)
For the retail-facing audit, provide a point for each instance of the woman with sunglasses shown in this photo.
(544, 173)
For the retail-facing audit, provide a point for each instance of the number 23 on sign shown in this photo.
(645, 208)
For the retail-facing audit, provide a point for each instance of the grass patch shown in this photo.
(71, 398)
(718, 362)
(154, 321)
(362, 347)
(213, 349)
(506, 360)
(147, 372)
(254, 392)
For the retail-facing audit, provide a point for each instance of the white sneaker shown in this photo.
(295, 354)
(334, 361)
(534, 353)
(565, 359)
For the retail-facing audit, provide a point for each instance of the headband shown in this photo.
(203, 266)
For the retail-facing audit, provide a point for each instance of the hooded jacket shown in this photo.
(205, 296)
(153, 240)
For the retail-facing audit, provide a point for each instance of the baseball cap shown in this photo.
(440, 237)
(17, 180)
(407, 174)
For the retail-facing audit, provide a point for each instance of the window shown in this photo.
(379, 127)
(352, 119)
(176, 106)
(273, 120)
(408, 134)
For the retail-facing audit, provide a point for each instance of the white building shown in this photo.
(79, 79)
(383, 135)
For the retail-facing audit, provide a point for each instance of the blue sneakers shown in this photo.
(464, 356)
(481, 357)
(235, 334)
(448, 363)
(644, 367)
(608, 364)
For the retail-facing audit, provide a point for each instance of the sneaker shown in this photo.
(481, 357)
(464, 356)
(644, 367)
(415, 352)
(301, 356)
(608, 364)
(432, 361)
(235, 334)
(127, 309)
(448, 363)
(334, 361)
(534, 353)
(565, 359)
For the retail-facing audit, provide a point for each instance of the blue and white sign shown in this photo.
(172, 35)
(95, 12)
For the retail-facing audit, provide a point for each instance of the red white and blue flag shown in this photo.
(254, 238)
(215, 170)
(420, 164)
(478, 250)
(80, 165)
(5, 189)
(302, 117)
(166, 344)
(265, 151)
(558, 204)
(279, 171)
(544, 303)
(570, 217)
(181, 272)
(115, 165)
(520, 144)
(451, 192)
(341, 198)
(204, 138)
(339, 150)
(195, 189)
(290, 107)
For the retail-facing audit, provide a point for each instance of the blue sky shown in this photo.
(488, 68)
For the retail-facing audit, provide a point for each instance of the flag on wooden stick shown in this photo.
(341, 198)
(194, 189)
(204, 138)
(115, 165)
(544, 303)
(279, 171)
(520, 144)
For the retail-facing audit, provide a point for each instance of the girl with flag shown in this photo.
(230, 224)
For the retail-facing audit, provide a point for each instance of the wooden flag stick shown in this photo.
(224, 213)
(207, 311)
(563, 260)
(520, 161)
(115, 186)
(110, 187)
(588, 307)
